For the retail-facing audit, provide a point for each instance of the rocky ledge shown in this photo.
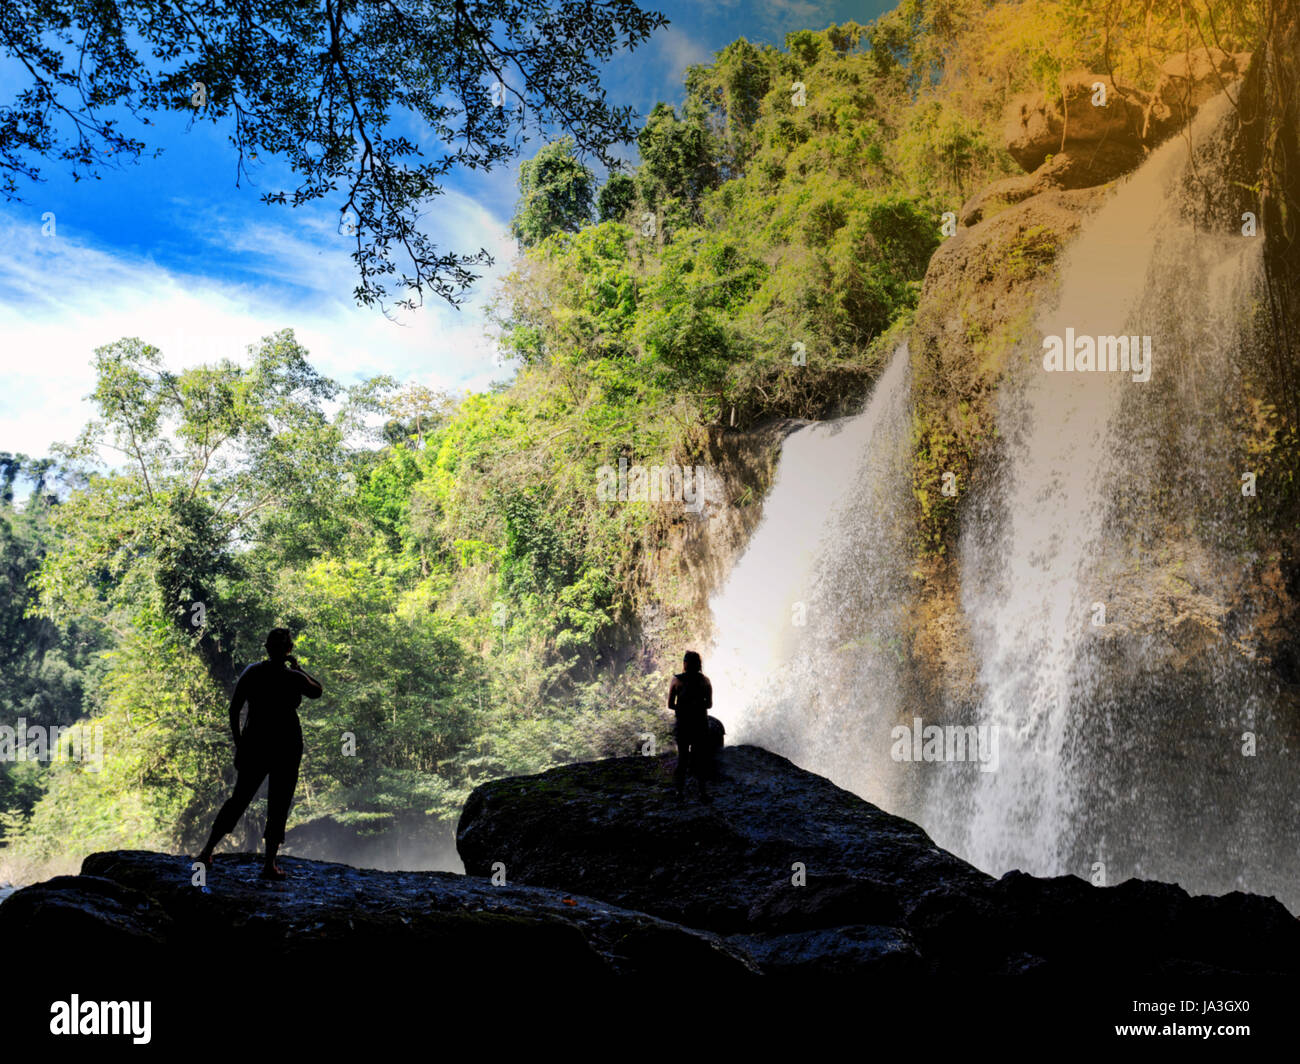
(598, 868)
(877, 895)
(142, 909)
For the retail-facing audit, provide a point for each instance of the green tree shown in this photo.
(730, 91)
(555, 192)
(414, 412)
(617, 195)
(399, 676)
(47, 669)
(213, 460)
(677, 157)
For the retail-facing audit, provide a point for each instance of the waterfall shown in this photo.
(1112, 757)
(1120, 731)
(1029, 552)
(806, 641)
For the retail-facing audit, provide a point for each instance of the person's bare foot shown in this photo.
(205, 859)
(273, 871)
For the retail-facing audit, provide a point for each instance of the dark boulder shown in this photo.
(799, 872)
(88, 916)
(343, 918)
(717, 735)
(613, 827)
(807, 877)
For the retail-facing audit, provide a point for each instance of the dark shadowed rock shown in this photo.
(89, 917)
(878, 895)
(1083, 166)
(1073, 928)
(343, 917)
(615, 827)
(827, 901)
(717, 734)
(859, 949)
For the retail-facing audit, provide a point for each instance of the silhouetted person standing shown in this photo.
(690, 696)
(270, 745)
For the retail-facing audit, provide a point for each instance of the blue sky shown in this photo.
(172, 251)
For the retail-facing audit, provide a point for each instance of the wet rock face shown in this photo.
(144, 905)
(806, 877)
(1188, 80)
(1116, 133)
(989, 280)
(1081, 167)
(1037, 125)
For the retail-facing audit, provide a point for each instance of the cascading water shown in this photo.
(1120, 734)
(1029, 553)
(1114, 757)
(806, 625)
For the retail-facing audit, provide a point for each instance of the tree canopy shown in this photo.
(555, 194)
(371, 103)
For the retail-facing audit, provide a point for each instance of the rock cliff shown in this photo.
(601, 870)
(806, 877)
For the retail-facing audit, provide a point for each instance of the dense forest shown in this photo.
(473, 603)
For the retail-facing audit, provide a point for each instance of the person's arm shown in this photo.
(708, 694)
(237, 701)
(672, 693)
(311, 686)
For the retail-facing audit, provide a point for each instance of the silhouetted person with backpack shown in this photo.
(690, 696)
(269, 746)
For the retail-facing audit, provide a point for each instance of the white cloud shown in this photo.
(679, 50)
(59, 300)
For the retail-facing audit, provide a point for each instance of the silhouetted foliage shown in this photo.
(328, 88)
